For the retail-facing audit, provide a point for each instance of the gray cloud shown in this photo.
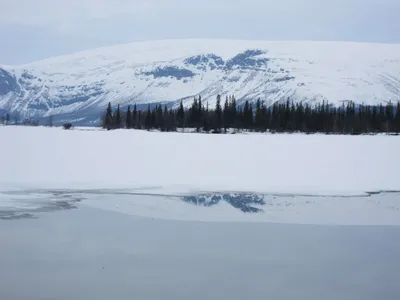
(37, 29)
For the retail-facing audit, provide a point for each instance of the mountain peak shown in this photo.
(79, 86)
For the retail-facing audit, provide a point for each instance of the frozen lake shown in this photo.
(89, 253)
(196, 216)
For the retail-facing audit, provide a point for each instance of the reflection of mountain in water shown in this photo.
(242, 202)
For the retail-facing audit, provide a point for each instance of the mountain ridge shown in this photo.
(166, 71)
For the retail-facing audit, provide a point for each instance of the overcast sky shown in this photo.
(36, 29)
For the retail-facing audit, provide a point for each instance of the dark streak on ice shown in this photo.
(55, 201)
(14, 215)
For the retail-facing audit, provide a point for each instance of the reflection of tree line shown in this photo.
(242, 202)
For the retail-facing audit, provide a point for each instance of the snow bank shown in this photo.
(187, 163)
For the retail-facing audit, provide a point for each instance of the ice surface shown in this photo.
(301, 178)
(93, 254)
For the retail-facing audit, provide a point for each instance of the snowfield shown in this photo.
(302, 178)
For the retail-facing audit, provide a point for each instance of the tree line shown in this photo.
(280, 117)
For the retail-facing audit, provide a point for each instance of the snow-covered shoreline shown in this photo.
(175, 162)
(302, 168)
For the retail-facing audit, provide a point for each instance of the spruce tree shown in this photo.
(108, 119)
(264, 119)
(181, 116)
(281, 117)
(218, 113)
(247, 115)
(128, 122)
(167, 126)
(172, 118)
(118, 120)
(199, 114)
(206, 119)
(251, 117)
(153, 118)
(233, 109)
(159, 118)
(147, 120)
(397, 118)
(258, 118)
(226, 117)
(139, 124)
(134, 121)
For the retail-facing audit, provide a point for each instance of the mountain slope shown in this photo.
(79, 86)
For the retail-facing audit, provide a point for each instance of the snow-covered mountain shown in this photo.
(78, 86)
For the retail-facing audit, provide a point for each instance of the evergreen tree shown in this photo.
(108, 118)
(226, 116)
(258, 118)
(397, 119)
(153, 118)
(172, 118)
(234, 117)
(192, 118)
(251, 117)
(206, 119)
(181, 116)
(147, 121)
(247, 116)
(199, 115)
(264, 118)
(167, 122)
(280, 117)
(139, 124)
(159, 118)
(128, 122)
(218, 113)
(117, 118)
(134, 121)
